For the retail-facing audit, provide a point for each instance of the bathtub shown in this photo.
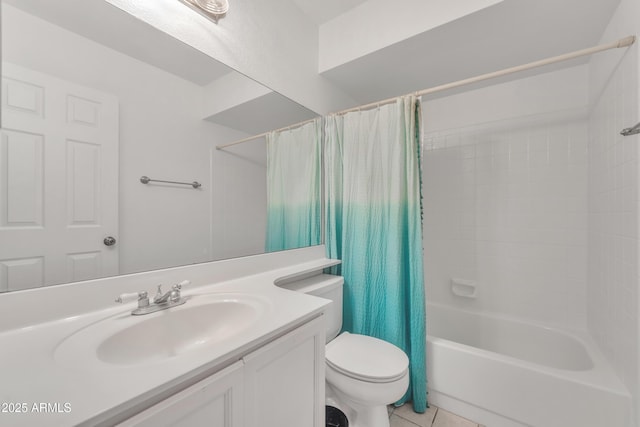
(502, 372)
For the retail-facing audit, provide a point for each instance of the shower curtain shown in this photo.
(293, 187)
(373, 224)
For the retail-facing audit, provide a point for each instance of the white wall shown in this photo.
(229, 91)
(505, 197)
(372, 25)
(612, 297)
(274, 43)
(239, 200)
(163, 136)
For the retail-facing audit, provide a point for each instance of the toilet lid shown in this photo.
(366, 358)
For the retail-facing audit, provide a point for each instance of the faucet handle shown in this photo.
(142, 297)
(179, 286)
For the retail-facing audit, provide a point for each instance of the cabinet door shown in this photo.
(284, 380)
(213, 402)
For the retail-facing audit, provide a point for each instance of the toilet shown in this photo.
(363, 374)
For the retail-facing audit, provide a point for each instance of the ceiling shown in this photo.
(323, 11)
(510, 33)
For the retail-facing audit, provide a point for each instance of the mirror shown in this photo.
(94, 99)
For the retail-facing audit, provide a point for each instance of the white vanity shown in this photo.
(274, 385)
(240, 352)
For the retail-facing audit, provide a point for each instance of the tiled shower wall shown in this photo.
(506, 207)
(613, 222)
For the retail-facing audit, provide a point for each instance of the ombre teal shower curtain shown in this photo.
(293, 187)
(373, 224)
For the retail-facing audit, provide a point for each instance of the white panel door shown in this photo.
(58, 181)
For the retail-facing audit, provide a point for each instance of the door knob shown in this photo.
(109, 241)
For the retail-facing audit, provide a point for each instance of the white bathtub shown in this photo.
(505, 373)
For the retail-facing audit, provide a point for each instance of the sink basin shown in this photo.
(173, 332)
(202, 322)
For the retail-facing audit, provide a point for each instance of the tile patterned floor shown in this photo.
(433, 417)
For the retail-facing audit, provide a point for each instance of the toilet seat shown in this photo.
(366, 358)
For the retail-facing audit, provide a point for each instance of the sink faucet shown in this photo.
(161, 301)
(171, 296)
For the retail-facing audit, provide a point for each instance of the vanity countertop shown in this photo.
(40, 386)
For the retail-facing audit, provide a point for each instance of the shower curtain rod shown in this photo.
(623, 42)
(251, 138)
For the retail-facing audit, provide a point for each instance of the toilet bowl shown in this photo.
(363, 374)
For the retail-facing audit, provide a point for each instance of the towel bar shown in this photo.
(631, 131)
(146, 180)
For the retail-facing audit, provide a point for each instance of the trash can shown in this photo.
(335, 417)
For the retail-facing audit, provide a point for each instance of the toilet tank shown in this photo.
(324, 286)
